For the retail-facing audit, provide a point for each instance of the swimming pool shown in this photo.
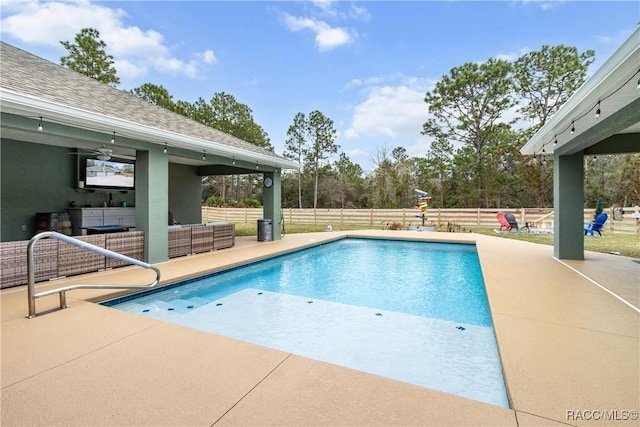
(412, 311)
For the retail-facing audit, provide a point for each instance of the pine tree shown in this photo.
(87, 56)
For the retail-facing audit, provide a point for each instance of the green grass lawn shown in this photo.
(622, 244)
(619, 244)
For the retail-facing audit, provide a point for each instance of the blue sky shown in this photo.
(364, 64)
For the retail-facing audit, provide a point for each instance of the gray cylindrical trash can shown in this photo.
(265, 230)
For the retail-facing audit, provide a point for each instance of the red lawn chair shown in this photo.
(503, 221)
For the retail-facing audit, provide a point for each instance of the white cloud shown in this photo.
(129, 69)
(391, 113)
(209, 57)
(544, 4)
(360, 13)
(133, 42)
(369, 81)
(326, 7)
(321, 12)
(176, 66)
(356, 152)
(512, 56)
(134, 50)
(548, 5)
(49, 22)
(326, 37)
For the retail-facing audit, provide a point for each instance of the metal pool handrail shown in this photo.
(62, 291)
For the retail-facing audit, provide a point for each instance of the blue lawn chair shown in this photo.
(596, 225)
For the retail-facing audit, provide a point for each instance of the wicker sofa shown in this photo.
(197, 238)
(54, 258)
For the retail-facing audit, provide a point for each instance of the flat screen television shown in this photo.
(109, 174)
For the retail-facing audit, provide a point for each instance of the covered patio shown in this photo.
(53, 118)
(602, 117)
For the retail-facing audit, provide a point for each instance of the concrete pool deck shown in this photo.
(570, 352)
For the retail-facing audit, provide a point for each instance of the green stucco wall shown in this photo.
(152, 202)
(568, 200)
(41, 178)
(272, 203)
(185, 194)
(36, 178)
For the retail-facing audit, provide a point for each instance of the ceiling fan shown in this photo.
(102, 153)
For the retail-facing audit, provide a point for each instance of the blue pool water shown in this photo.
(412, 311)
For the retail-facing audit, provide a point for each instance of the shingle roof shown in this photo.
(31, 75)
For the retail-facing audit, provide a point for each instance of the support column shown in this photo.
(272, 204)
(152, 203)
(568, 203)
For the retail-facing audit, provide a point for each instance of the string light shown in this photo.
(572, 126)
(165, 148)
(256, 165)
(40, 127)
(204, 155)
(233, 162)
(113, 138)
(543, 158)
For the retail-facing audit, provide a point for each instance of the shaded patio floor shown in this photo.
(567, 345)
